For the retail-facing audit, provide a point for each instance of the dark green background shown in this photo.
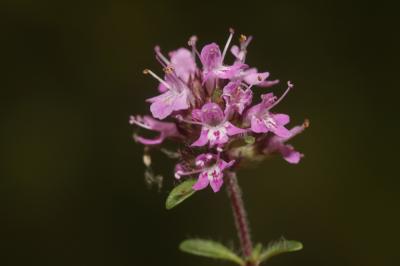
(71, 180)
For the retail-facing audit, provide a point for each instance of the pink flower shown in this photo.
(236, 98)
(175, 98)
(213, 62)
(278, 144)
(215, 129)
(182, 61)
(210, 168)
(166, 130)
(240, 53)
(263, 121)
(212, 175)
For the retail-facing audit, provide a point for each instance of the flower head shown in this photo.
(208, 112)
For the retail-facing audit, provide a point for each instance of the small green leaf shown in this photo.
(180, 193)
(210, 249)
(279, 247)
(255, 255)
(249, 139)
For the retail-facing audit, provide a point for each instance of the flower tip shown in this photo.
(306, 123)
(132, 120)
(147, 160)
(192, 41)
(157, 49)
(146, 71)
(242, 38)
(178, 174)
(231, 30)
(290, 84)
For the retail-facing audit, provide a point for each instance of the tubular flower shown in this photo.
(209, 108)
(215, 128)
(210, 168)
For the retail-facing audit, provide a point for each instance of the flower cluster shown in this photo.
(209, 112)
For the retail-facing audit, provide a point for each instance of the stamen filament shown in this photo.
(135, 120)
(290, 85)
(159, 54)
(148, 71)
(179, 173)
(192, 43)
(227, 43)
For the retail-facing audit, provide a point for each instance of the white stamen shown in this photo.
(159, 54)
(290, 85)
(227, 43)
(180, 173)
(269, 122)
(192, 43)
(136, 121)
(148, 71)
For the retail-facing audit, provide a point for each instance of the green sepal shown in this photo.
(249, 139)
(216, 96)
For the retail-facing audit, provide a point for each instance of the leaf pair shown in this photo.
(215, 250)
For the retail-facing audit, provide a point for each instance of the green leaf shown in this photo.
(210, 249)
(255, 255)
(180, 193)
(279, 247)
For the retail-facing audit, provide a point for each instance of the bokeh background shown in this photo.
(71, 179)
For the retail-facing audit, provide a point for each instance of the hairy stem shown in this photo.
(240, 215)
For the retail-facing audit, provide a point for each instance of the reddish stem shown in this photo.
(239, 214)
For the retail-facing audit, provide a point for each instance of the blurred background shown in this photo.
(72, 190)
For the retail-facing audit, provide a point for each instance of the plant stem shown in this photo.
(240, 215)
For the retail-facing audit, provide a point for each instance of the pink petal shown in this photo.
(228, 72)
(258, 126)
(268, 83)
(216, 184)
(146, 141)
(289, 154)
(183, 63)
(281, 131)
(211, 56)
(162, 88)
(202, 140)
(233, 130)
(181, 101)
(160, 108)
(256, 78)
(202, 182)
(223, 165)
(281, 119)
(293, 157)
